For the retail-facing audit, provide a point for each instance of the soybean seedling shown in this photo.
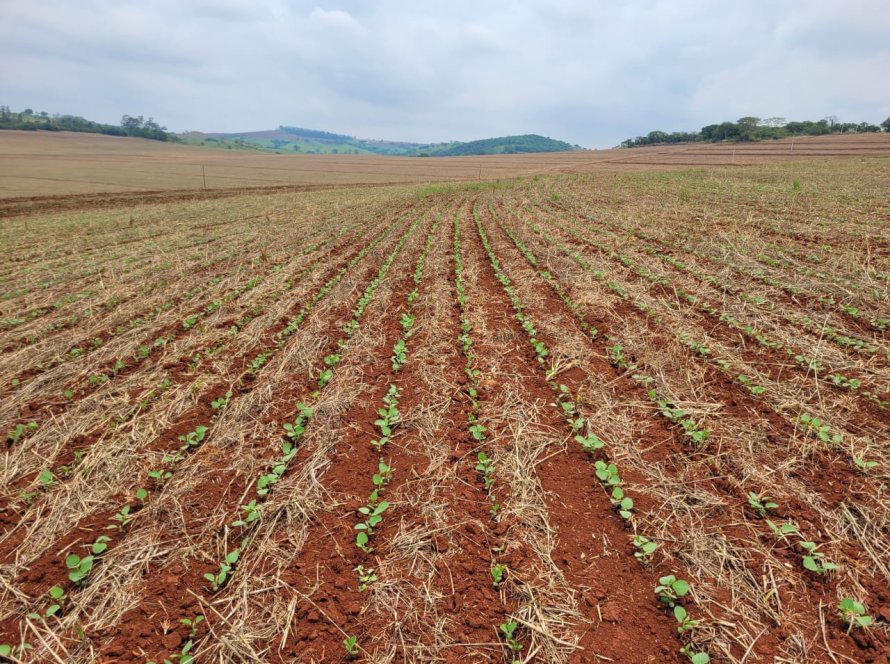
(193, 438)
(221, 402)
(399, 354)
(383, 475)
(497, 574)
(20, 431)
(351, 645)
(477, 431)
(46, 478)
(57, 596)
(485, 466)
(8, 651)
(373, 516)
(670, 589)
(644, 548)
(864, 465)
(266, 481)
(782, 529)
(78, 568)
(695, 657)
(590, 442)
(192, 624)
(686, 623)
(814, 560)
(324, 378)
(252, 513)
(123, 518)
(365, 577)
(760, 503)
(389, 417)
(298, 428)
(607, 473)
(508, 629)
(225, 570)
(819, 429)
(624, 504)
(853, 613)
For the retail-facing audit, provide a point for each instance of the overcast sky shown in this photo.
(591, 72)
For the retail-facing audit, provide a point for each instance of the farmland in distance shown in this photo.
(580, 416)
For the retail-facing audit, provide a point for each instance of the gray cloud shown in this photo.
(591, 72)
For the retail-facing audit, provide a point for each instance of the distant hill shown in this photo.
(283, 140)
(504, 145)
(313, 141)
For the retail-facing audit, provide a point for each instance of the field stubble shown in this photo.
(538, 399)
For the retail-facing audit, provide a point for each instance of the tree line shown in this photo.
(136, 126)
(751, 128)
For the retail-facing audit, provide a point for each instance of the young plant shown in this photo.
(670, 589)
(485, 466)
(373, 513)
(816, 427)
(183, 656)
(252, 512)
(645, 548)
(350, 643)
(399, 354)
(847, 383)
(752, 387)
(19, 432)
(298, 428)
(624, 504)
(853, 613)
(864, 465)
(694, 656)
(497, 574)
(607, 473)
(782, 529)
(590, 442)
(325, 377)
(686, 624)
(383, 475)
(8, 651)
(57, 596)
(365, 577)
(226, 567)
(160, 476)
(46, 478)
(221, 402)
(508, 629)
(389, 417)
(192, 624)
(78, 568)
(814, 560)
(760, 503)
(193, 438)
(123, 518)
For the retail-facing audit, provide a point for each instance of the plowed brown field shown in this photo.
(466, 422)
(39, 169)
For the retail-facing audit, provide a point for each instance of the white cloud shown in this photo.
(592, 72)
(336, 18)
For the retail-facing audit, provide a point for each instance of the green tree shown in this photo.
(886, 124)
(747, 126)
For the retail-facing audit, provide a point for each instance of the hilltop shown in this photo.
(313, 141)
